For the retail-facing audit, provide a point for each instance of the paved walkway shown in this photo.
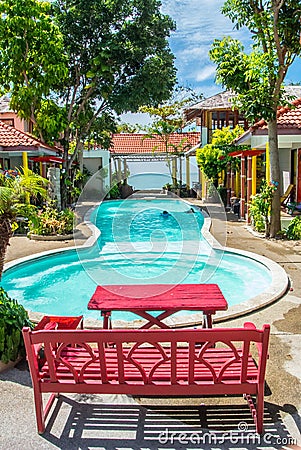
(119, 422)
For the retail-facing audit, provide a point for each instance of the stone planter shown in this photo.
(57, 237)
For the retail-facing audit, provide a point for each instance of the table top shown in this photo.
(203, 297)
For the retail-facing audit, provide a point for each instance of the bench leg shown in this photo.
(38, 401)
(259, 411)
(41, 412)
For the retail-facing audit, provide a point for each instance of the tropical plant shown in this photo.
(213, 158)
(14, 194)
(114, 192)
(13, 317)
(257, 76)
(293, 231)
(260, 208)
(50, 222)
(74, 188)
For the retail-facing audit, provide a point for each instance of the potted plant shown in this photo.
(13, 317)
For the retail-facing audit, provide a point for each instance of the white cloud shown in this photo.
(205, 73)
(198, 24)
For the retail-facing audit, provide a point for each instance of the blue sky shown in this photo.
(199, 22)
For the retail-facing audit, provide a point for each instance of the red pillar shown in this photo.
(242, 187)
(249, 186)
(298, 187)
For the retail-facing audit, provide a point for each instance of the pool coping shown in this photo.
(277, 289)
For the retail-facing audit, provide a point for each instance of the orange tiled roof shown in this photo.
(13, 139)
(287, 117)
(127, 143)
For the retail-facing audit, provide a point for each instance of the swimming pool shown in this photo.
(137, 245)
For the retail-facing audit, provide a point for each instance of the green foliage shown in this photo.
(128, 128)
(51, 120)
(213, 158)
(260, 208)
(118, 60)
(114, 192)
(249, 75)
(167, 120)
(293, 231)
(13, 317)
(74, 188)
(72, 66)
(50, 222)
(168, 116)
(32, 57)
(13, 192)
(257, 77)
(100, 131)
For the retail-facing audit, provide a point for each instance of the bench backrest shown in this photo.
(148, 352)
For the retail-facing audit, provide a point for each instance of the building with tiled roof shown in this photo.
(217, 112)
(138, 146)
(10, 117)
(12, 139)
(289, 143)
(14, 142)
(288, 123)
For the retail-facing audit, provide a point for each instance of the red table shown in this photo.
(139, 299)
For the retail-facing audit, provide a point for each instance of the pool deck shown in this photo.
(121, 422)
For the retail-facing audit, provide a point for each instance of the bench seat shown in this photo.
(219, 361)
(147, 358)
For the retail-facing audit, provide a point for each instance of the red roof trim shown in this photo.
(53, 159)
(245, 153)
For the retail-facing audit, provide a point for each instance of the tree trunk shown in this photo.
(64, 172)
(275, 177)
(5, 235)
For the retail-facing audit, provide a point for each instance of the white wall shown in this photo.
(285, 165)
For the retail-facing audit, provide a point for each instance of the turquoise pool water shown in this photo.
(137, 245)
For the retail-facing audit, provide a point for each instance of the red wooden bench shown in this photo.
(149, 362)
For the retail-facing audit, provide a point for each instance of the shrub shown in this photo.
(114, 192)
(260, 207)
(13, 317)
(293, 231)
(50, 222)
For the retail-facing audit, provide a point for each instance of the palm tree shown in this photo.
(13, 202)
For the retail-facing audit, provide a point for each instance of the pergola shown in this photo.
(139, 148)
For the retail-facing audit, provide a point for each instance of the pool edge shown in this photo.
(277, 288)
